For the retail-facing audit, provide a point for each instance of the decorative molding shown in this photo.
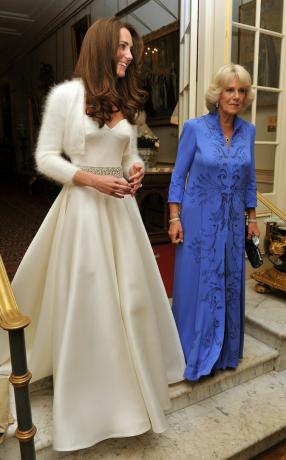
(59, 20)
(15, 16)
(9, 31)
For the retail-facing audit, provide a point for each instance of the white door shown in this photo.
(188, 59)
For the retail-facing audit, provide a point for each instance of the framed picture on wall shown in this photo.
(78, 31)
(160, 73)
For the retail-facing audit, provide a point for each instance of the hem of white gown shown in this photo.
(110, 436)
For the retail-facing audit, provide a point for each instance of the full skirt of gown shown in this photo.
(101, 320)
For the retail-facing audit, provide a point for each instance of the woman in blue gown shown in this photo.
(212, 185)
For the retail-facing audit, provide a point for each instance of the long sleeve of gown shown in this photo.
(185, 156)
(130, 155)
(50, 140)
(251, 199)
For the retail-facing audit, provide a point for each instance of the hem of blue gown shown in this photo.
(210, 372)
(231, 365)
(138, 432)
(192, 376)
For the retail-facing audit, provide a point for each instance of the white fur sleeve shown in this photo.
(50, 140)
(130, 155)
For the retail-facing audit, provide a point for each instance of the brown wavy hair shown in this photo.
(97, 65)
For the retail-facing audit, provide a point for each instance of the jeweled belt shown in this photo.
(104, 170)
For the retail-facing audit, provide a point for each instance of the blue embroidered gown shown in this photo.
(214, 183)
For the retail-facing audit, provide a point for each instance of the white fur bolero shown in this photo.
(62, 130)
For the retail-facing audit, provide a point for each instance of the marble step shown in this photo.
(266, 320)
(234, 425)
(259, 359)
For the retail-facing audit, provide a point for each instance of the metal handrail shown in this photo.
(12, 320)
(271, 206)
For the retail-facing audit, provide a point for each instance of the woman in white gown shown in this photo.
(101, 320)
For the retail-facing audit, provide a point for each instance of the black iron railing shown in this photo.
(12, 321)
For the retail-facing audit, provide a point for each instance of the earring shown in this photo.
(217, 105)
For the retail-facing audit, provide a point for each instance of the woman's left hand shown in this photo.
(252, 230)
(136, 176)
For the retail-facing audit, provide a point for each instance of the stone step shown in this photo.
(42, 384)
(234, 425)
(259, 359)
(266, 320)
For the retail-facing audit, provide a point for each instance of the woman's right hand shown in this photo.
(175, 232)
(110, 185)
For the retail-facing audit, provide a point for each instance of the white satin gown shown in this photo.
(101, 320)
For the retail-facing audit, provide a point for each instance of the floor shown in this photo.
(21, 215)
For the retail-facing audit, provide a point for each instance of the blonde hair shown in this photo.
(220, 81)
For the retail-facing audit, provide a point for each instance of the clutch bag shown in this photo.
(252, 250)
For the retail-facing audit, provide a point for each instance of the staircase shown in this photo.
(235, 414)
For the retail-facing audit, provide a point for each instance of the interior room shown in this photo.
(185, 43)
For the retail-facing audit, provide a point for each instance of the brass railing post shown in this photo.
(14, 322)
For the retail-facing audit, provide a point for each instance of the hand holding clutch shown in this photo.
(252, 250)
